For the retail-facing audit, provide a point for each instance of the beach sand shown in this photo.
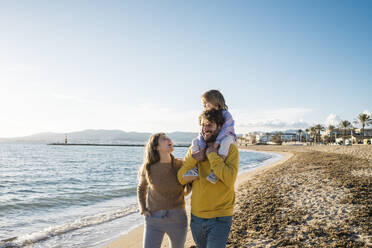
(317, 196)
(134, 238)
(321, 197)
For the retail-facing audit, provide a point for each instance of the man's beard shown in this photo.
(212, 138)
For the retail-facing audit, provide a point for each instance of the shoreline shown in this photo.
(133, 239)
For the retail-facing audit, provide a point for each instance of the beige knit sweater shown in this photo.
(160, 190)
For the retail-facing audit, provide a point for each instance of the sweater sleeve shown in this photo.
(227, 128)
(177, 163)
(226, 170)
(142, 189)
(188, 163)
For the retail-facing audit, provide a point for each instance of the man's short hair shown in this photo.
(212, 115)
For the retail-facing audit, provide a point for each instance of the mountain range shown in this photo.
(103, 136)
(100, 136)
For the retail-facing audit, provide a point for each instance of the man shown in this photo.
(212, 205)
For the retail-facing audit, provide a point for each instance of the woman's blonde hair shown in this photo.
(216, 98)
(152, 155)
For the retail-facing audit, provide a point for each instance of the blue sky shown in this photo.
(142, 66)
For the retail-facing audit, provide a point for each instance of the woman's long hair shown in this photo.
(152, 155)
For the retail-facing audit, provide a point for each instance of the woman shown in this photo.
(160, 195)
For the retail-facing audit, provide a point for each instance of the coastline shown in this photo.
(133, 239)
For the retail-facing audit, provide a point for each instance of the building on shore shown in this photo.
(336, 136)
(354, 134)
(266, 138)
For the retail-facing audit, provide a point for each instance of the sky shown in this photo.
(143, 65)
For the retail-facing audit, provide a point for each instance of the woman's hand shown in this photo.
(146, 213)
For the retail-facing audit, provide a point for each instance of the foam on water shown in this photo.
(70, 226)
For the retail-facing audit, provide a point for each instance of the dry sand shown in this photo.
(321, 197)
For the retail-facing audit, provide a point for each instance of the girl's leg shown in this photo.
(223, 150)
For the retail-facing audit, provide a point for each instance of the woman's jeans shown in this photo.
(210, 233)
(172, 222)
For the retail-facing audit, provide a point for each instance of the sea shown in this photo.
(76, 196)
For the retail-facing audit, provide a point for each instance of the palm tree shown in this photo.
(318, 128)
(345, 125)
(277, 138)
(299, 134)
(331, 128)
(365, 120)
(312, 133)
(307, 130)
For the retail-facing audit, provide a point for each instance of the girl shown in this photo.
(226, 137)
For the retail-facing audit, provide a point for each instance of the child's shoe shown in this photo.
(212, 178)
(191, 175)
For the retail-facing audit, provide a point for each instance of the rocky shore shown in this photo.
(321, 197)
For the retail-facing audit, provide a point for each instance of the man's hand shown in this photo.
(211, 148)
(199, 156)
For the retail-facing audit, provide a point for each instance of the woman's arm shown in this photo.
(142, 189)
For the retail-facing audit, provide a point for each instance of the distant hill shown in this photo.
(99, 136)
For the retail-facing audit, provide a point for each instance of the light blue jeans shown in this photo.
(210, 233)
(172, 222)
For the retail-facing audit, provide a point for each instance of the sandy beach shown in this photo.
(317, 196)
(321, 197)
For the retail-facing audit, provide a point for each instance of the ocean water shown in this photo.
(75, 196)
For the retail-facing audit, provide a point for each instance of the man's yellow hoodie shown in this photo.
(212, 200)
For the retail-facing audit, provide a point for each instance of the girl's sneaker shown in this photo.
(191, 175)
(212, 178)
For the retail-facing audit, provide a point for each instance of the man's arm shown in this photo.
(226, 170)
(188, 163)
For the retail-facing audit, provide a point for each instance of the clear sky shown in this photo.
(142, 65)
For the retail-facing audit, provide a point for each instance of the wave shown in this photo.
(52, 231)
(66, 200)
